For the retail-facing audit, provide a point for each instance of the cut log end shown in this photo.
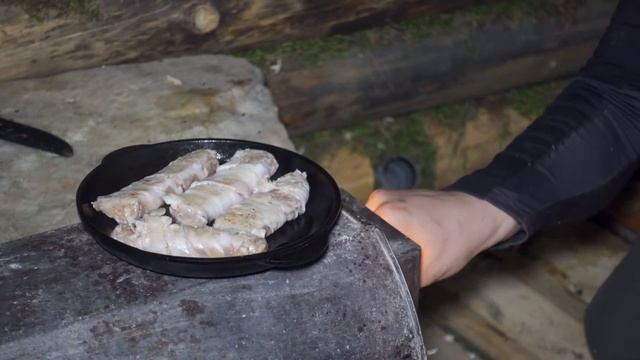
(205, 19)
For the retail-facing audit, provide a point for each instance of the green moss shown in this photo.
(453, 116)
(314, 144)
(379, 141)
(504, 135)
(471, 47)
(312, 52)
(531, 101)
(316, 51)
(512, 10)
(257, 56)
(41, 10)
(88, 8)
(474, 16)
(409, 139)
(427, 25)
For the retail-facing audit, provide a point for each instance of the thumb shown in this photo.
(395, 214)
(377, 198)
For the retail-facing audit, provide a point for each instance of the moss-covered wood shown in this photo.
(389, 74)
(39, 37)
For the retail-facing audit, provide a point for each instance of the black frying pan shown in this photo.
(297, 243)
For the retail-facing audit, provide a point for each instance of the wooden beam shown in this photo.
(440, 344)
(34, 43)
(401, 76)
(545, 278)
(584, 256)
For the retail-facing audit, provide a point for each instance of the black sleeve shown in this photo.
(573, 159)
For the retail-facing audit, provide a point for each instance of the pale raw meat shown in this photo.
(141, 197)
(267, 210)
(246, 206)
(157, 234)
(234, 181)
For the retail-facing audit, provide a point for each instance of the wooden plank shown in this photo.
(528, 301)
(405, 75)
(545, 279)
(520, 313)
(584, 256)
(35, 43)
(440, 344)
(443, 307)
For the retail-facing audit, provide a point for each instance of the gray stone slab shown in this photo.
(62, 296)
(99, 110)
(406, 251)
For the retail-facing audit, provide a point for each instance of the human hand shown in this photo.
(450, 227)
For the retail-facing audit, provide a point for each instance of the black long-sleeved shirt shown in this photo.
(574, 158)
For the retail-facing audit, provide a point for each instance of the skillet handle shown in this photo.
(300, 255)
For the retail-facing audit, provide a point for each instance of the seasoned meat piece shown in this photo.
(157, 234)
(267, 210)
(234, 181)
(143, 196)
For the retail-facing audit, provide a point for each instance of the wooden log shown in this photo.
(116, 31)
(399, 77)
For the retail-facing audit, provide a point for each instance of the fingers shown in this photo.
(380, 197)
(407, 212)
(377, 198)
(395, 214)
(389, 205)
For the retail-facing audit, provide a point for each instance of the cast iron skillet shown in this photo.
(297, 243)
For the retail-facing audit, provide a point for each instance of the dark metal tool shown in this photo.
(34, 138)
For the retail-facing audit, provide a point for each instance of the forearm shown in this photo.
(573, 159)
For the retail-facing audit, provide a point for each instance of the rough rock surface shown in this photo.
(62, 296)
(102, 109)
